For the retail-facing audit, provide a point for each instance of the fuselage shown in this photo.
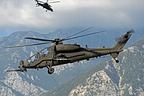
(59, 54)
(66, 53)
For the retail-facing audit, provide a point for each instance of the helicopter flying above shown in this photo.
(46, 5)
(59, 53)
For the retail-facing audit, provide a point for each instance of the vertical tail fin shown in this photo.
(121, 43)
(123, 40)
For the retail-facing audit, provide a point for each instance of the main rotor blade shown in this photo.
(40, 1)
(39, 39)
(83, 35)
(54, 1)
(79, 32)
(28, 45)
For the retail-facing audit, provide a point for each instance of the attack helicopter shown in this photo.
(45, 5)
(59, 53)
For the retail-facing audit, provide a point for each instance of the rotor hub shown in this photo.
(57, 41)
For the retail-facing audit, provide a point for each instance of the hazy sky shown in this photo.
(16, 15)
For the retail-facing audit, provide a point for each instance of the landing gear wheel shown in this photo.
(50, 70)
(117, 61)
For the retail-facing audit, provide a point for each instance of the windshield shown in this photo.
(44, 51)
(34, 57)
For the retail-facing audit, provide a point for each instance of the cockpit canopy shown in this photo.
(34, 57)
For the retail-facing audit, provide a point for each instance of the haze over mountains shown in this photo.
(86, 77)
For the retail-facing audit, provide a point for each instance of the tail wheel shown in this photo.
(50, 70)
(117, 61)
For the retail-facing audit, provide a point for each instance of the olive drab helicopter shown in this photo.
(59, 53)
(46, 5)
